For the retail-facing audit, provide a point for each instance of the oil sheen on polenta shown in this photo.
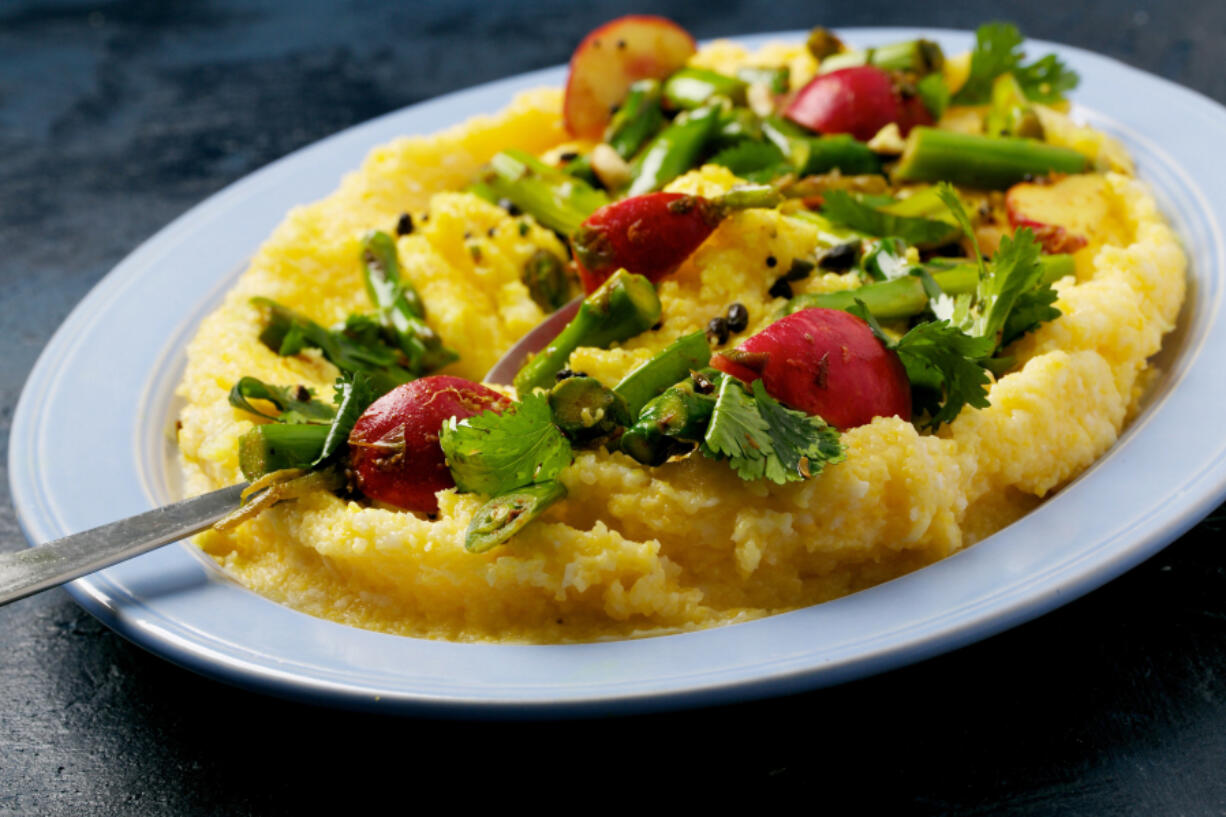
(636, 550)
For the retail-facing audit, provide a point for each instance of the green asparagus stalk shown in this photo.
(905, 296)
(913, 56)
(776, 79)
(637, 120)
(623, 306)
(674, 150)
(687, 353)
(819, 154)
(984, 162)
(672, 422)
(585, 410)
(1011, 113)
(556, 199)
(399, 308)
(506, 515)
(691, 88)
(277, 446)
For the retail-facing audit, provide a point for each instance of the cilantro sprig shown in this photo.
(494, 453)
(998, 50)
(763, 439)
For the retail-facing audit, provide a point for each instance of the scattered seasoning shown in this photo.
(404, 225)
(800, 269)
(302, 393)
(523, 228)
(621, 45)
(781, 288)
(717, 331)
(771, 261)
(491, 231)
(511, 207)
(737, 318)
(567, 373)
(702, 383)
(657, 326)
(467, 235)
(475, 251)
(840, 256)
(568, 156)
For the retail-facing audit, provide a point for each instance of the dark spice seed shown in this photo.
(657, 326)
(509, 206)
(781, 288)
(840, 256)
(771, 261)
(738, 318)
(717, 331)
(800, 269)
(491, 231)
(404, 225)
(302, 393)
(568, 156)
(523, 228)
(568, 373)
(702, 383)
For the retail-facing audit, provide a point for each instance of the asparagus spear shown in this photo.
(673, 151)
(691, 88)
(584, 409)
(276, 446)
(545, 276)
(671, 423)
(506, 514)
(984, 162)
(905, 296)
(622, 307)
(1011, 113)
(777, 79)
(399, 308)
(819, 154)
(687, 353)
(914, 56)
(637, 120)
(554, 198)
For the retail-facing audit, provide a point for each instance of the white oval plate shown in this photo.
(89, 444)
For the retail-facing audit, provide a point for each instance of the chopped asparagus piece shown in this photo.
(584, 409)
(277, 446)
(545, 276)
(507, 514)
(918, 57)
(672, 422)
(674, 150)
(687, 353)
(637, 120)
(556, 199)
(621, 308)
(691, 88)
(984, 162)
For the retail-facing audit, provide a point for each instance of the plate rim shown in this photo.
(98, 595)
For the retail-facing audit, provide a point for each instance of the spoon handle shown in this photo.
(28, 571)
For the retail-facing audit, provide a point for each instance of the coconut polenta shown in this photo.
(625, 548)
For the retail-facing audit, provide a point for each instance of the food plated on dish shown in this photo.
(806, 363)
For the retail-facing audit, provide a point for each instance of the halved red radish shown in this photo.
(860, 100)
(610, 58)
(394, 449)
(824, 362)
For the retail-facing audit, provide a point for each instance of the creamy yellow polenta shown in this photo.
(636, 550)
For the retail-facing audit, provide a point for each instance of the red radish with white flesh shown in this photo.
(860, 101)
(825, 362)
(649, 235)
(614, 56)
(394, 449)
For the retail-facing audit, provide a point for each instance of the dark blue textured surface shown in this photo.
(116, 117)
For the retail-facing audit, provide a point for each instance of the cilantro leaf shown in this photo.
(765, 440)
(1014, 271)
(294, 404)
(1048, 80)
(841, 207)
(1031, 309)
(998, 50)
(353, 394)
(942, 363)
(493, 453)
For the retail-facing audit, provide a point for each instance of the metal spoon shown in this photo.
(25, 572)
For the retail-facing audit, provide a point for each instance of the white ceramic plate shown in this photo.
(89, 444)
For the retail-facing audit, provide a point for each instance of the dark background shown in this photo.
(116, 117)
